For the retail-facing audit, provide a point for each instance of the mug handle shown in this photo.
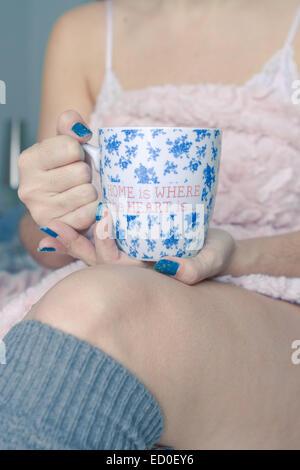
(94, 153)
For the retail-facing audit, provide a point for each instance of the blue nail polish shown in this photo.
(48, 231)
(48, 249)
(166, 266)
(81, 130)
(99, 211)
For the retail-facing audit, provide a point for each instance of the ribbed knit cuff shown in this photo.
(71, 395)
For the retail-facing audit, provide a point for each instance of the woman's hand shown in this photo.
(213, 259)
(55, 181)
(64, 239)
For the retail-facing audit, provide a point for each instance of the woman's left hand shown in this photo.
(213, 259)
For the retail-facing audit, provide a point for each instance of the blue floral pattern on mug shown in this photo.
(160, 185)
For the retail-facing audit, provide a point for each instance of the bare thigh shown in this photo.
(216, 357)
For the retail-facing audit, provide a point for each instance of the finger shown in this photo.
(185, 270)
(74, 198)
(67, 177)
(72, 124)
(58, 152)
(106, 247)
(49, 244)
(82, 218)
(69, 241)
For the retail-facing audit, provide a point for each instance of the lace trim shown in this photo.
(111, 89)
(278, 73)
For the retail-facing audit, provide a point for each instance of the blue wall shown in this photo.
(25, 26)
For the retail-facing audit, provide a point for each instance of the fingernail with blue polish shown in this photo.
(81, 130)
(46, 249)
(166, 266)
(99, 211)
(48, 231)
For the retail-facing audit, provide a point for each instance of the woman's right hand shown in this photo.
(55, 180)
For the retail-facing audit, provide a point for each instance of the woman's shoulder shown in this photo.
(82, 23)
(78, 41)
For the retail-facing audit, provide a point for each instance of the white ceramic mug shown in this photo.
(159, 184)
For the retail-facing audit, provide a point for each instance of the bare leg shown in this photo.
(216, 357)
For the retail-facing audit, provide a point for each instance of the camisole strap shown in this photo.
(109, 34)
(111, 87)
(293, 29)
(281, 70)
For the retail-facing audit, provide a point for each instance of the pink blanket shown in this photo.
(18, 292)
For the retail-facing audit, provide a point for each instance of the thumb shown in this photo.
(72, 124)
(105, 245)
(64, 239)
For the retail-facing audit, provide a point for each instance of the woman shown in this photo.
(213, 356)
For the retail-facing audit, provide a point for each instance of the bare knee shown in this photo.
(95, 300)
